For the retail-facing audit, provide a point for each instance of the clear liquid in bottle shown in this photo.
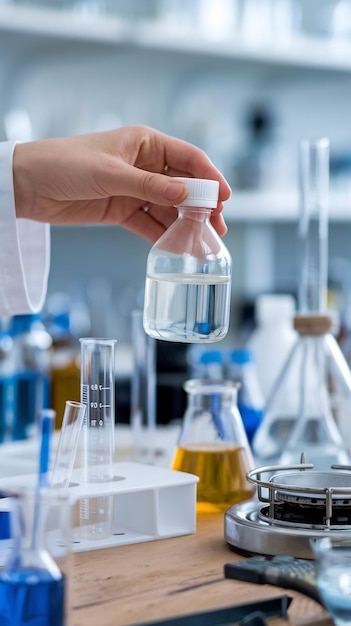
(195, 311)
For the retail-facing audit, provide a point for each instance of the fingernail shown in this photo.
(174, 190)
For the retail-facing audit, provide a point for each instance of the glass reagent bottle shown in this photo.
(188, 275)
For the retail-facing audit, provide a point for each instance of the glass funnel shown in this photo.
(213, 445)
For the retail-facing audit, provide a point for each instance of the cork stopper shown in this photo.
(313, 323)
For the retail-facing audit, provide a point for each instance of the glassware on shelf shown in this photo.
(213, 445)
(65, 372)
(273, 337)
(7, 390)
(188, 275)
(242, 369)
(206, 363)
(32, 349)
(301, 413)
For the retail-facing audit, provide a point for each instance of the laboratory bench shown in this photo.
(147, 582)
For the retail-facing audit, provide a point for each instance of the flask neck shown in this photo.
(203, 390)
(29, 527)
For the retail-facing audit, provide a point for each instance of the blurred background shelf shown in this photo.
(299, 51)
(245, 97)
(279, 207)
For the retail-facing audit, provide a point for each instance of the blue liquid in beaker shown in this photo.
(31, 597)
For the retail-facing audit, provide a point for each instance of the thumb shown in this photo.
(155, 188)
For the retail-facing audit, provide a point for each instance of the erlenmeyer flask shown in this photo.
(213, 445)
(300, 414)
(315, 431)
(33, 581)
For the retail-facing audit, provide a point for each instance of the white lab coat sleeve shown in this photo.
(24, 249)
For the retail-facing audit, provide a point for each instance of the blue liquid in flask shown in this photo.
(31, 597)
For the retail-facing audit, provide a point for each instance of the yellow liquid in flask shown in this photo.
(221, 471)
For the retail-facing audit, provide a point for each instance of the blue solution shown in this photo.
(30, 597)
(251, 419)
(204, 328)
(5, 525)
(2, 408)
(6, 406)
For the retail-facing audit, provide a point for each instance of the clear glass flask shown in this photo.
(34, 582)
(302, 414)
(300, 417)
(97, 449)
(213, 445)
(188, 274)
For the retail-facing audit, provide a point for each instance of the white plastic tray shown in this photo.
(149, 503)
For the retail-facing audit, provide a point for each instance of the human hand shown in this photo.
(111, 177)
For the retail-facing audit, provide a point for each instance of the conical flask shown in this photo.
(303, 408)
(213, 445)
(33, 581)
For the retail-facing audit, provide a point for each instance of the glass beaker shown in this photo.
(34, 582)
(213, 445)
(97, 450)
(188, 274)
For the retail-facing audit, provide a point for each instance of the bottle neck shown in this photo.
(199, 214)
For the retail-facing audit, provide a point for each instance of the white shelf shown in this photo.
(300, 52)
(279, 207)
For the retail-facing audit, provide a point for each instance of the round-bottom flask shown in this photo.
(213, 445)
(188, 274)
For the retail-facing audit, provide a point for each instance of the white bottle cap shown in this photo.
(202, 192)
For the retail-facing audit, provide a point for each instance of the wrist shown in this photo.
(22, 180)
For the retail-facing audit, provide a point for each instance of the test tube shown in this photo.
(68, 443)
(97, 394)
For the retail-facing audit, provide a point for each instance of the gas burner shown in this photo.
(299, 504)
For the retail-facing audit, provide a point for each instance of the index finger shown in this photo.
(188, 160)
